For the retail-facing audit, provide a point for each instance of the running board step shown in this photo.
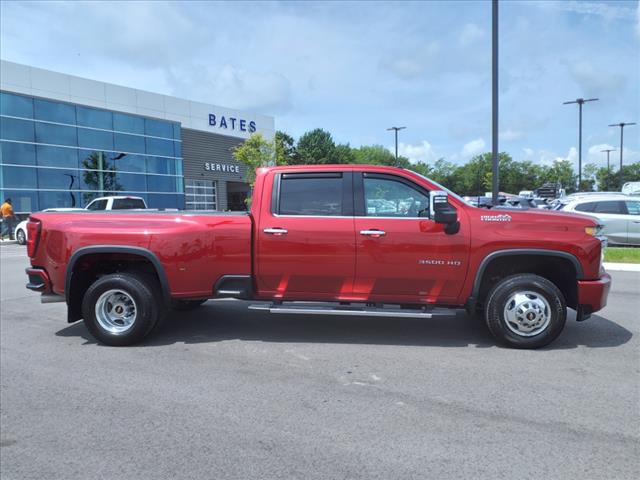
(352, 311)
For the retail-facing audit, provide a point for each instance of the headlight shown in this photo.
(593, 231)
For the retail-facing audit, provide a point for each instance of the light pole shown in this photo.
(396, 131)
(495, 169)
(621, 125)
(608, 150)
(580, 102)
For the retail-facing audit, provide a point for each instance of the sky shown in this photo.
(357, 68)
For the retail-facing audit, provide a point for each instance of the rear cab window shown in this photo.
(127, 203)
(313, 194)
(97, 205)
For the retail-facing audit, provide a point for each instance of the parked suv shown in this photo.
(619, 215)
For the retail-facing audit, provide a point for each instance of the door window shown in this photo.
(612, 206)
(391, 198)
(317, 195)
(586, 207)
(633, 206)
(97, 205)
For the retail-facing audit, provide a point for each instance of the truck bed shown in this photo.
(195, 248)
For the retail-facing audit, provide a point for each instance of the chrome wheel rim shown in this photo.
(20, 236)
(527, 313)
(116, 311)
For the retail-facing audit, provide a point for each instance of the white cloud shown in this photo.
(470, 34)
(422, 152)
(528, 153)
(595, 80)
(511, 135)
(474, 147)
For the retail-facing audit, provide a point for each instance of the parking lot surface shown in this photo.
(226, 393)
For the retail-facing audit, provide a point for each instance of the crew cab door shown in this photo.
(633, 223)
(305, 237)
(402, 254)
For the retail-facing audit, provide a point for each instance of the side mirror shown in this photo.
(442, 212)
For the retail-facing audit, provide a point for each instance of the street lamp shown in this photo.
(580, 102)
(621, 125)
(495, 163)
(608, 150)
(396, 130)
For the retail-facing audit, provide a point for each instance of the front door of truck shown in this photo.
(305, 237)
(403, 255)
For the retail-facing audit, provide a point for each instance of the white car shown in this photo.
(102, 203)
(619, 215)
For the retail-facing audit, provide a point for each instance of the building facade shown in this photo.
(65, 140)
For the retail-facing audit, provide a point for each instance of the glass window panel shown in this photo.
(19, 177)
(95, 160)
(616, 207)
(128, 163)
(159, 183)
(16, 105)
(23, 201)
(54, 111)
(92, 117)
(165, 201)
(586, 207)
(128, 123)
(57, 156)
(311, 196)
(129, 143)
(157, 146)
(98, 205)
(390, 198)
(158, 128)
(58, 178)
(131, 181)
(177, 148)
(177, 131)
(161, 165)
(56, 134)
(95, 139)
(59, 199)
(14, 129)
(127, 203)
(633, 207)
(20, 153)
(88, 197)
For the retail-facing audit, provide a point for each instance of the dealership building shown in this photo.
(66, 140)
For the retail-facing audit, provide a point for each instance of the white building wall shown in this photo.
(18, 78)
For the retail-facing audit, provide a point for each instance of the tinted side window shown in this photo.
(586, 207)
(612, 206)
(126, 203)
(306, 195)
(390, 198)
(97, 205)
(633, 207)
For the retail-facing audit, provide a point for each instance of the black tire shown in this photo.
(21, 236)
(185, 305)
(139, 290)
(545, 324)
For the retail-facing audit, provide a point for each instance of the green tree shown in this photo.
(285, 148)
(344, 154)
(100, 175)
(255, 152)
(610, 181)
(316, 147)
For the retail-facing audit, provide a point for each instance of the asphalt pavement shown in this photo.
(227, 393)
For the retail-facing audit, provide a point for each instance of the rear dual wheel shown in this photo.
(122, 308)
(525, 311)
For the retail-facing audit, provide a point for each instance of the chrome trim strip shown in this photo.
(352, 313)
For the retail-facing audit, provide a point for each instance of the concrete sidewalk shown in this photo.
(622, 267)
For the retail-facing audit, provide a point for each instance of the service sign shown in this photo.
(221, 167)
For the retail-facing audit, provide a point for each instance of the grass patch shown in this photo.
(622, 255)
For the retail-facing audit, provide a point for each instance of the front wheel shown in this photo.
(121, 309)
(525, 311)
(21, 237)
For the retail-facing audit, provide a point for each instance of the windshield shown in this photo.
(453, 194)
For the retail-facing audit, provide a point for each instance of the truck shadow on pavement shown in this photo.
(230, 320)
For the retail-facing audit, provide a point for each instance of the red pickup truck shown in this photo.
(325, 240)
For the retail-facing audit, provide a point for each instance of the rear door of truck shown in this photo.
(305, 236)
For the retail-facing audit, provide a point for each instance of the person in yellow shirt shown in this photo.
(6, 210)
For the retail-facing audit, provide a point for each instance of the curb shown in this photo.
(8, 242)
(622, 267)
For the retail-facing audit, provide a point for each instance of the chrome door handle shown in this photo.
(276, 231)
(373, 233)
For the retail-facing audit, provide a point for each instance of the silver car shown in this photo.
(619, 214)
